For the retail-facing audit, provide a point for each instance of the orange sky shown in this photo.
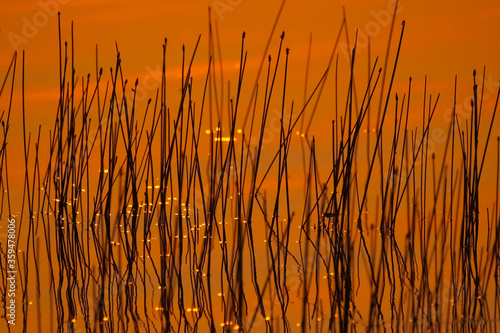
(442, 39)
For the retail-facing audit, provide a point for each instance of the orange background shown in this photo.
(442, 40)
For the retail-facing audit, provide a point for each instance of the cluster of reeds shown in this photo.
(133, 220)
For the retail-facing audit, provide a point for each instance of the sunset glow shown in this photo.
(235, 165)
